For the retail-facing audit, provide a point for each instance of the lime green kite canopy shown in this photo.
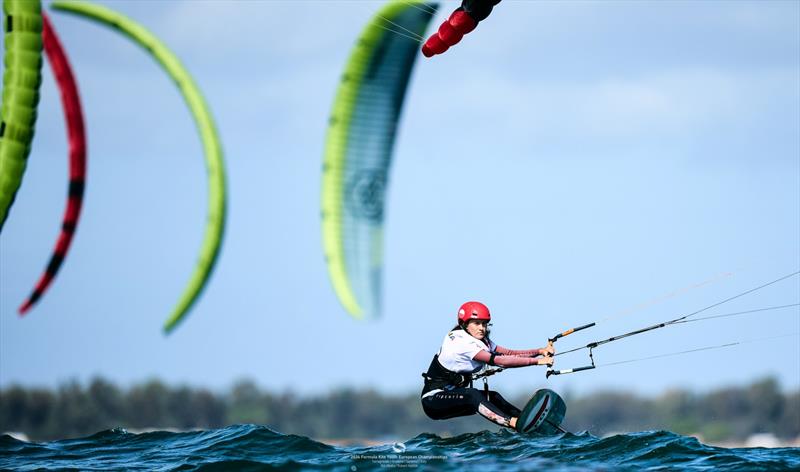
(358, 151)
(22, 20)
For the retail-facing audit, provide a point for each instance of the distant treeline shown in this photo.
(73, 410)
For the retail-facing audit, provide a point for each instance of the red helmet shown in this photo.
(473, 311)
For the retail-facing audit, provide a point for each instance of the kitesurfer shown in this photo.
(466, 349)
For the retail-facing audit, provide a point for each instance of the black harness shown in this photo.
(439, 377)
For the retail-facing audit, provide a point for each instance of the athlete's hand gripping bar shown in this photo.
(558, 336)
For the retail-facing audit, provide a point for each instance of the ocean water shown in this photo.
(250, 447)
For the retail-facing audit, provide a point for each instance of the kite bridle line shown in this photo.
(490, 372)
(400, 30)
(681, 319)
(550, 341)
(639, 307)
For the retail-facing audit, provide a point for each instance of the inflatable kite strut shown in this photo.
(76, 136)
(211, 146)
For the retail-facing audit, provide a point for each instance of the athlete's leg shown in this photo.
(491, 411)
(503, 404)
(463, 402)
(493, 414)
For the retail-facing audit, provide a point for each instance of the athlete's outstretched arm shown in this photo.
(510, 361)
(525, 352)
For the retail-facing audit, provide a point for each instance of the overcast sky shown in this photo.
(567, 162)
